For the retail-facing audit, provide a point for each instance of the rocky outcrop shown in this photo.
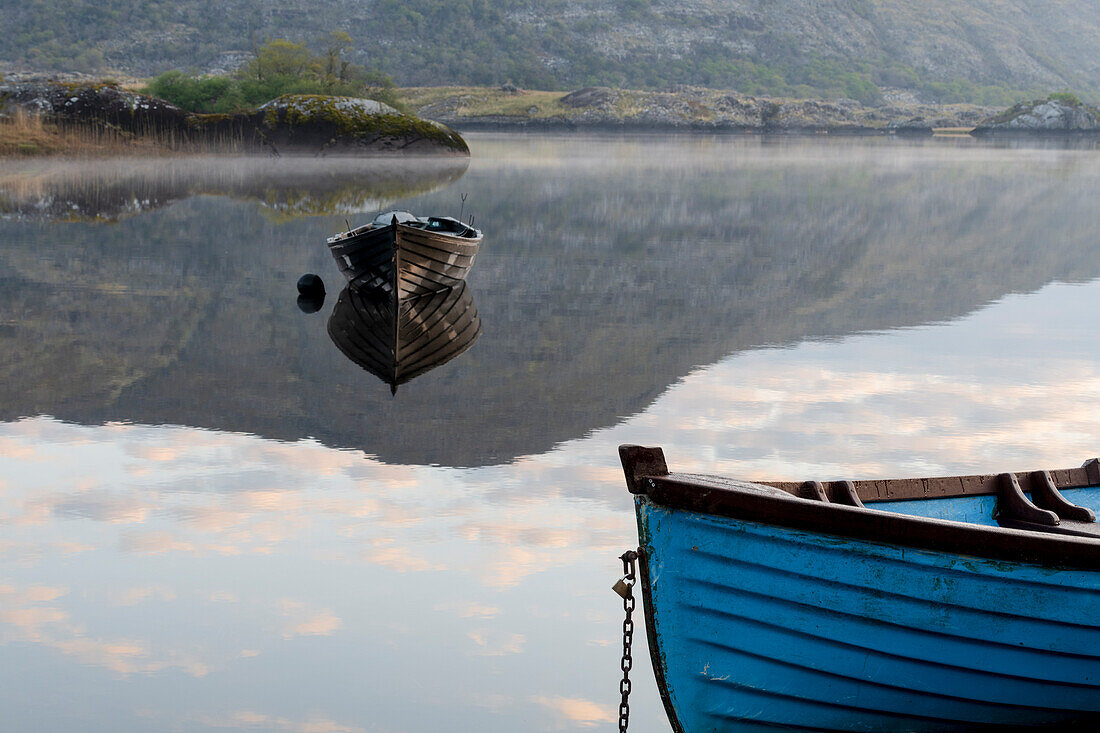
(345, 124)
(312, 124)
(690, 108)
(95, 103)
(1059, 115)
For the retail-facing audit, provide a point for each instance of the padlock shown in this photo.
(621, 587)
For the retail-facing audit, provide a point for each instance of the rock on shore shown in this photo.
(346, 124)
(1058, 114)
(104, 104)
(290, 124)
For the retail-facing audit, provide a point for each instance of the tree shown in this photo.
(280, 67)
(278, 58)
(334, 67)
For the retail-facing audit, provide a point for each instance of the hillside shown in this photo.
(985, 51)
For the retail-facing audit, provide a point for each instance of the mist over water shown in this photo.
(213, 519)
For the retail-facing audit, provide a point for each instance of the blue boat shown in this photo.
(936, 604)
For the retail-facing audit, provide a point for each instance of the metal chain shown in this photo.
(625, 588)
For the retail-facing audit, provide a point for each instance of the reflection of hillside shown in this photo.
(292, 187)
(630, 266)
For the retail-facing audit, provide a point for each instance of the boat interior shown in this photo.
(1058, 502)
(446, 225)
(439, 224)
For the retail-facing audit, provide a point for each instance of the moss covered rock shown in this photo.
(342, 124)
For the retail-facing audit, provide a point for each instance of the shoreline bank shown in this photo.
(696, 109)
(66, 118)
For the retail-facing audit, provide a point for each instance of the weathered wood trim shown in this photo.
(1044, 493)
(844, 492)
(760, 502)
(1014, 505)
(939, 487)
(812, 490)
(639, 462)
(943, 487)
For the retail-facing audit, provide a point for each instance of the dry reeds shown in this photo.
(25, 133)
(22, 133)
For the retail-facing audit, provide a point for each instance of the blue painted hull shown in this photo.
(754, 625)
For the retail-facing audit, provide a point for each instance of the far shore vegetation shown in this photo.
(283, 67)
(279, 67)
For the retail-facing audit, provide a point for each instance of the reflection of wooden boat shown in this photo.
(430, 254)
(943, 604)
(398, 345)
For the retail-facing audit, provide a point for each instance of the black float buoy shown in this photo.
(311, 293)
(310, 284)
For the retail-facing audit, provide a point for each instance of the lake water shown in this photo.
(211, 519)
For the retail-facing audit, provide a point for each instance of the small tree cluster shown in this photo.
(279, 67)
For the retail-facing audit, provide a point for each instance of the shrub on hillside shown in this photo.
(279, 67)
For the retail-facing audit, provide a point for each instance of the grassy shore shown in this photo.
(488, 101)
(24, 134)
(678, 108)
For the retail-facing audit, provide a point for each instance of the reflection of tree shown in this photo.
(602, 280)
(288, 188)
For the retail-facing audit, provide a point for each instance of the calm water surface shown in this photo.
(211, 519)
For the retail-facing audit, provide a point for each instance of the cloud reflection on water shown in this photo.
(1010, 387)
(258, 552)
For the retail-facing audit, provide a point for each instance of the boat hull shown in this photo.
(427, 262)
(753, 625)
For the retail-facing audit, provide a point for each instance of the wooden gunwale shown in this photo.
(440, 240)
(647, 474)
(997, 543)
(946, 487)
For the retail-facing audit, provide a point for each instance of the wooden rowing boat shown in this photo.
(903, 605)
(428, 254)
(399, 340)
